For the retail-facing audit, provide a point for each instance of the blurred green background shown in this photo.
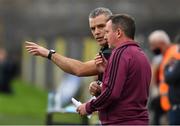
(27, 105)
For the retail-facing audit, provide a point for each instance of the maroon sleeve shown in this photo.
(115, 80)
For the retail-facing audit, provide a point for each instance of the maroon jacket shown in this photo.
(125, 87)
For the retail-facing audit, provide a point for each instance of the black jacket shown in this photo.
(172, 77)
(106, 51)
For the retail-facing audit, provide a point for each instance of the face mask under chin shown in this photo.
(156, 51)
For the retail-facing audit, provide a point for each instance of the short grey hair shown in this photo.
(100, 11)
(159, 35)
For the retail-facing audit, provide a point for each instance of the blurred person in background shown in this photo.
(7, 72)
(97, 22)
(159, 42)
(126, 79)
(172, 77)
(154, 101)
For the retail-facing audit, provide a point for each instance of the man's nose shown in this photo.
(105, 37)
(97, 31)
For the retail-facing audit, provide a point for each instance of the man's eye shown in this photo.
(101, 26)
(92, 29)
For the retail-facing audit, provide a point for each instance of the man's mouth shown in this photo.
(100, 38)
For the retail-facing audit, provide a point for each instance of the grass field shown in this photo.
(27, 105)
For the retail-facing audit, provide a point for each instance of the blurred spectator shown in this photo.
(160, 44)
(7, 71)
(172, 74)
(154, 102)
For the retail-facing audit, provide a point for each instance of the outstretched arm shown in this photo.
(75, 67)
(68, 65)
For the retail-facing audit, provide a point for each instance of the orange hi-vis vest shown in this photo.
(163, 87)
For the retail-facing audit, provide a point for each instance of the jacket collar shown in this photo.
(128, 43)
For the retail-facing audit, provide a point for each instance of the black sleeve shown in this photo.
(107, 54)
(172, 73)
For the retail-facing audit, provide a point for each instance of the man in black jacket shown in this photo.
(7, 72)
(172, 77)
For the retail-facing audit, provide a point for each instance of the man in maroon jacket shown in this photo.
(126, 80)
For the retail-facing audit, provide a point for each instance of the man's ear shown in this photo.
(119, 33)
